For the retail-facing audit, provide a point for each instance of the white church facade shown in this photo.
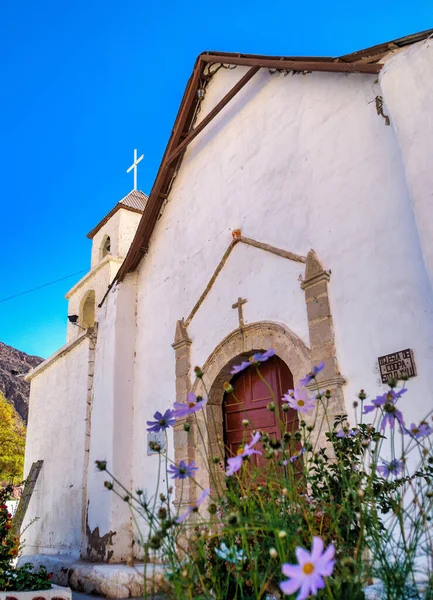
(293, 209)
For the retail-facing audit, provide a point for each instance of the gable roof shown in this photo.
(363, 61)
(135, 201)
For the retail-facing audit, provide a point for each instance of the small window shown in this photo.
(105, 246)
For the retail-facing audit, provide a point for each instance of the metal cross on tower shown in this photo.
(134, 166)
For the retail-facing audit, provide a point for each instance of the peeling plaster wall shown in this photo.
(298, 162)
(56, 434)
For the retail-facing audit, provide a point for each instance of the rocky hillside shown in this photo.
(13, 365)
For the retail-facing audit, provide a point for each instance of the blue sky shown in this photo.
(86, 82)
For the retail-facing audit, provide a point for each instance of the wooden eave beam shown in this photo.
(293, 65)
(212, 114)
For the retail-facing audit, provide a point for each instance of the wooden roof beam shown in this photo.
(293, 65)
(213, 113)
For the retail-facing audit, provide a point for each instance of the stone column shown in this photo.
(184, 441)
(322, 339)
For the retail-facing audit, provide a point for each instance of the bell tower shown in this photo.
(111, 239)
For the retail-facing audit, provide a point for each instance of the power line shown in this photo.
(42, 286)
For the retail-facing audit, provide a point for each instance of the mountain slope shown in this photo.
(13, 365)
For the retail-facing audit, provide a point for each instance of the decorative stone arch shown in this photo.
(234, 348)
(87, 310)
(256, 337)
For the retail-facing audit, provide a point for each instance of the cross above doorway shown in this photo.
(238, 305)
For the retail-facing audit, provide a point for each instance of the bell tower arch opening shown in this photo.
(87, 312)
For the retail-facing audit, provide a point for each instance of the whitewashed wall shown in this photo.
(407, 85)
(299, 162)
(98, 279)
(56, 434)
(112, 425)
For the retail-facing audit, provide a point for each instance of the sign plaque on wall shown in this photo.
(397, 365)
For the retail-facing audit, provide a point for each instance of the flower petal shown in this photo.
(305, 590)
(291, 570)
(290, 586)
(317, 548)
(302, 555)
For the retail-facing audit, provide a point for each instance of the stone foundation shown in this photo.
(55, 593)
(109, 580)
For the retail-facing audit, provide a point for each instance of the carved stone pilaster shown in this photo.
(184, 445)
(321, 329)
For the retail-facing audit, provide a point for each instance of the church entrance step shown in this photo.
(106, 580)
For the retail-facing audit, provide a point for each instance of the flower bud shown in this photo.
(101, 464)
(155, 542)
(271, 406)
(162, 513)
(162, 497)
(216, 460)
(198, 372)
(302, 424)
(228, 387)
(362, 395)
(126, 498)
(284, 491)
(186, 427)
(233, 519)
(282, 535)
(108, 485)
(245, 422)
(392, 382)
(273, 553)
(285, 407)
(361, 493)
(212, 508)
(139, 492)
(355, 404)
(328, 394)
(310, 428)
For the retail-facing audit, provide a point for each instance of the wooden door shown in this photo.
(253, 398)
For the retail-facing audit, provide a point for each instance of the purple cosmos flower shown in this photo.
(183, 470)
(297, 455)
(192, 405)
(161, 422)
(299, 400)
(394, 467)
(347, 433)
(235, 463)
(307, 576)
(255, 359)
(310, 376)
(387, 402)
(419, 431)
(193, 507)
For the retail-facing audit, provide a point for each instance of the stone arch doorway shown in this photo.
(233, 349)
(250, 399)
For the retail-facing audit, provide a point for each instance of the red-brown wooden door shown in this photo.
(253, 398)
